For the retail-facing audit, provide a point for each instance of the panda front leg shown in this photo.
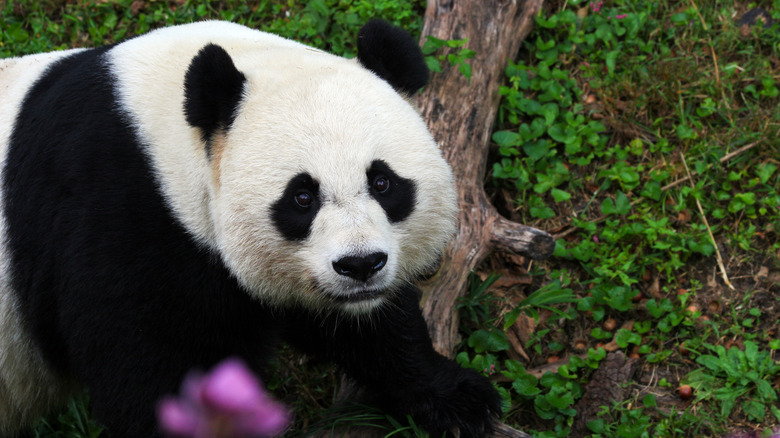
(390, 353)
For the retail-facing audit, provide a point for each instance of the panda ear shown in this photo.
(393, 55)
(213, 88)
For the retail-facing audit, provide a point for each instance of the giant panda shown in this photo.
(209, 190)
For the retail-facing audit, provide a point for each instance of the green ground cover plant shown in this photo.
(644, 135)
(37, 26)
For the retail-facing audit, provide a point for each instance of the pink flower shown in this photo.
(229, 402)
(621, 16)
(595, 7)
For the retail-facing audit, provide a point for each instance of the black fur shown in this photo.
(398, 200)
(291, 219)
(213, 89)
(393, 55)
(118, 295)
(391, 354)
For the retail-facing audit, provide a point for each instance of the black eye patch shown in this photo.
(294, 212)
(395, 194)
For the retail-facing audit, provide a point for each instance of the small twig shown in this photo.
(723, 159)
(701, 18)
(731, 155)
(717, 76)
(672, 184)
(502, 430)
(709, 230)
(712, 52)
(541, 370)
(715, 63)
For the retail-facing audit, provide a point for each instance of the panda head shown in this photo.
(327, 190)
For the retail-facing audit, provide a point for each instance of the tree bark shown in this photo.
(460, 114)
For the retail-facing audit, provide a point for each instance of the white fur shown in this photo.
(304, 111)
(27, 387)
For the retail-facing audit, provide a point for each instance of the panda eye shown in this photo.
(304, 199)
(381, 184)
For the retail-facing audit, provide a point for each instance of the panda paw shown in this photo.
(458, 400)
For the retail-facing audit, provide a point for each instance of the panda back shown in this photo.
(17, 75)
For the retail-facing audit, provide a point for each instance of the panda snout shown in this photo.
(360, 268)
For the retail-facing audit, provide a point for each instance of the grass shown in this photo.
(644, 136)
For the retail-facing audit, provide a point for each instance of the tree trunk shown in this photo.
(460, 114)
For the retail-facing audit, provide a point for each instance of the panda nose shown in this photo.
(360, 268)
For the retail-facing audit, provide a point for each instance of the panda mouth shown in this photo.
(357, 296)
